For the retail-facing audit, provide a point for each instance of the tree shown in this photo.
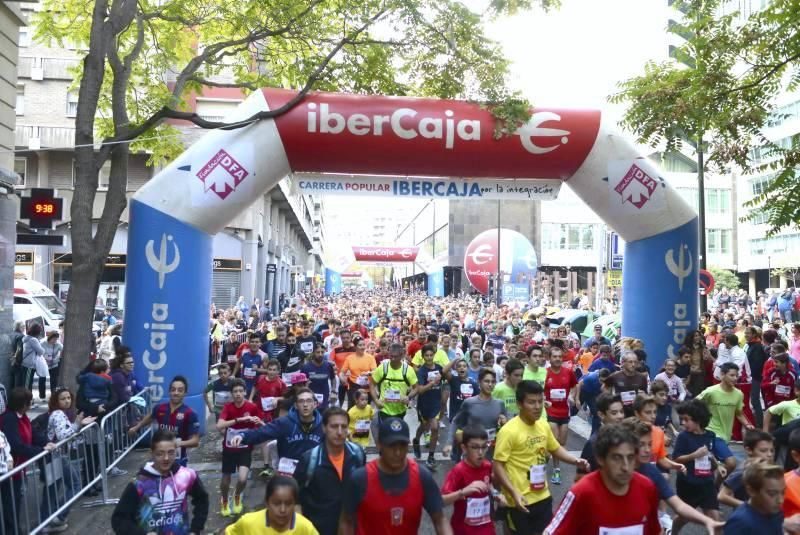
(142, 58)
(791, 273)
(737, 68)
(724, 278)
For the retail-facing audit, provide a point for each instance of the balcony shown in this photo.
(39, 137)
(38, 68)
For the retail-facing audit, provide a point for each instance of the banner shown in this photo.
(438, 188)
(385, 254)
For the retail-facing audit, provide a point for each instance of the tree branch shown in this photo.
(774, 69)
(211, 83)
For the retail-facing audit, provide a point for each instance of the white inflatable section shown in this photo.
(636, 215)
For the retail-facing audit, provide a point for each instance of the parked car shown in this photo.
(610, 323)
(577, 319)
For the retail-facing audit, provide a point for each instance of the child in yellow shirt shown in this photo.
(360, 419)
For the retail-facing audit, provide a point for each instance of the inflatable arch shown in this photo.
(174, 216)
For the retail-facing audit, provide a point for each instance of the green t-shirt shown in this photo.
(440, 358)
(395, 383)
(723, 407)
(508, 396)
(788, 410)
(539, 376)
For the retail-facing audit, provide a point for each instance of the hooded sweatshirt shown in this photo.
(293, 439)
(157, 503)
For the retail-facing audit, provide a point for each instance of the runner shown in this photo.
(157, 500)
(174, 416)
(559, 387)
(393, 384)
(356, 370)
(778, 385)
(430, 403)
(360, 416)
(483, 410)
(296, 433)
(757, 445)
(610, 411)
(627, 382)
(468, 486)
(761, 514)
(614, 500)
(321, 378)
(252, 362)
(387, 496)
(322, 472)
(725, 402)
(220, 389)
(506, 390)
(520, 458)
(236, 416)
(461, 387)
(279, 517)
(535, 370)
(590, 386)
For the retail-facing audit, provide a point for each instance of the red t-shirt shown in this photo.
(556, 391)
(413, 347)
(267, 395)
(459, 477)
(589, 507)
(230, 412)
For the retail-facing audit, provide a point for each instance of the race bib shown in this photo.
(287, 466)
(478, 511)
(558, 394)
(269, 404)
(627, 530)
(232, 359)
(392, 394)
(702, 466)
(783, 390)
(491, 435)
(362, 428)
(628, 397)
(307, 347)
(362, 380)
(673, 392)
(287, 378)
(221, 398)
(433, 377)
(320, 398)
(230, 434)
(538, 474)
(466, 391)
(249, 373)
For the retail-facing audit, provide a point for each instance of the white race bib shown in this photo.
(783, 390)
(249, 373)
(478, 511)
(628, 397)
(466, 391)
(702, 466)
(222, 397)
(558, 394)
(287, 378)
(433, 376)
(233, 432)
(627, 530)
(269, 404)
(287, 466)
(362, 427)
(538, 474)
(491, 434)
(307, 347)
(391, 394)
(232, 359)
(320, 398)
(362, 380)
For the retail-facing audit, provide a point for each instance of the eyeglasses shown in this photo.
(306, 401)
(475, 447)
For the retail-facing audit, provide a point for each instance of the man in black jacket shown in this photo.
(756, 357)
(323, 470)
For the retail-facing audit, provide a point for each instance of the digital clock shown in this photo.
(43, 209)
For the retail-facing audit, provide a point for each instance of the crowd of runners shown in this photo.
(494, 389)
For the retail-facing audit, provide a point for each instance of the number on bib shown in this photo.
(361, 428)
(287, 466)
(702, 466)
(538, 475)
(466, 391)
(628, 397)
(558, 394)
(627, 530)
(782, 390)
(269, 404)
(249, 373)
(320, 398)
(478, 511)
(362, 380)
(221, 398)
(392, 394)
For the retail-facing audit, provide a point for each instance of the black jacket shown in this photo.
(756, 357)
(321, 498)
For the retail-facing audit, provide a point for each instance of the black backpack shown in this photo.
(18, 345)
(39, 429)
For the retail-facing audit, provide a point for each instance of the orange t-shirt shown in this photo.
(659, 450)
(340, 356)
(585, 360)
(338, 463)
(359, 366)
(791, 500)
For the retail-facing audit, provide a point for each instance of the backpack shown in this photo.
(316, 457)
(18, 345)
(386, 373)
(39, 429)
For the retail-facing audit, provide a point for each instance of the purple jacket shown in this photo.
(124, 385)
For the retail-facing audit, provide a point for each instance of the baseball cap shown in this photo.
(299, 378)
(393, 430)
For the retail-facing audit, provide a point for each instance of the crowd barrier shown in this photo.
(44, 488)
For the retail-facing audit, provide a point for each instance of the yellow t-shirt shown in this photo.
(360, 415)
(440, 358)
(380, 331)
(521, 446)
(256, 524)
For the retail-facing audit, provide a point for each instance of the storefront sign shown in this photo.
(112, 260)
(614, 278)
(469, 189)
(272, 268)
(227, 264)
(23, 259)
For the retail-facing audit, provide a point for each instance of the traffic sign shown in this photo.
(706, 280)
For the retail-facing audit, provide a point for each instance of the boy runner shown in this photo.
(725, 402)
(787, 410)
(430, 403)
(610, 411)
(757, 445)
(482, 410)
(506, 391)
(778, 385)
(520, 462)
(236, 416)
(321, 377)
(251, 362)
(761, 514)
(535, 370)
(221, 388)
(559, 386)
(614, 499)
(460, 385)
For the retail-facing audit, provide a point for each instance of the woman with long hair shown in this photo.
(701, 362)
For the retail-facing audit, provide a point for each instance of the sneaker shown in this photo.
(417, 449)
(431, 464)
(556, 479)
(665, 521)
(267, 472)
(56, 527)
(237, 505)
(224, 508)
(117, 471)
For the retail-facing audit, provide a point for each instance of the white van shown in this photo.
(34, 299)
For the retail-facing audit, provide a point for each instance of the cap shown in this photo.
(392, 430)
(299, 378)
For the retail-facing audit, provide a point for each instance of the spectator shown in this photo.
(31, 349)
(52, 354)
(16, 353)
(95, 388)
(123, 383)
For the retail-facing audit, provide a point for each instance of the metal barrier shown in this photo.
(115, 442)
(44, 487)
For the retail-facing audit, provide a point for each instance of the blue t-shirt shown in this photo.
(429, 403)
(319, 378)
(698, 471)
(747, 521)
(651, 472)
(590, 384)
(735, 483)
(473, 374)
(599, 364)
(249, 363)
(663, 415)
(459, 391)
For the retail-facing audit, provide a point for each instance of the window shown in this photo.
(718, 241)
(557, 236)
(759, 185)
(20, 100)
(24, 36)
(21, 169)
(718, 201)
(72, 104)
